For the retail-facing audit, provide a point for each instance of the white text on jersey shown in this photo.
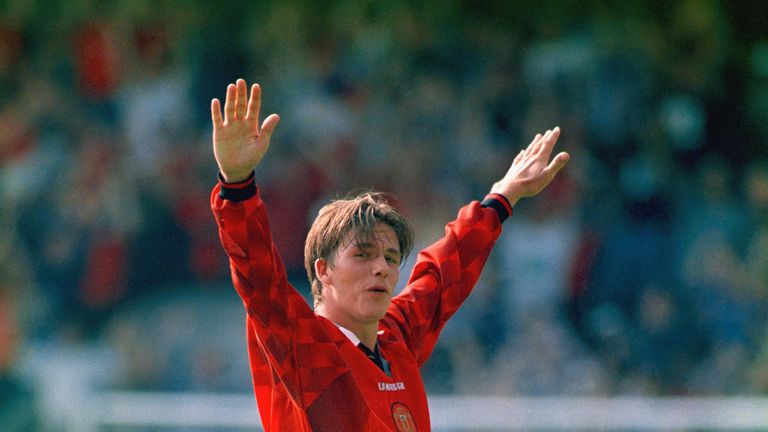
(383, 386)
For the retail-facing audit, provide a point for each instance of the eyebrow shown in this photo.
(368, 245)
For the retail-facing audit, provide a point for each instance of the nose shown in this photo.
(380, 266)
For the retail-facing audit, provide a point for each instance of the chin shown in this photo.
(376, 313)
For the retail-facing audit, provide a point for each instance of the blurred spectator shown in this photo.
(632, 253)
(97, 62)
(662, 346)
(154, 102)
(756, 270)
(727, 312)
(696, 48)
(290, 211)
(165, 342)
(537, 255)
(19, 411)
(80, 242)
(11, 57)
(757, 91)
(708, 205)
(756, 192)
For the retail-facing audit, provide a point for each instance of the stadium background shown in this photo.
(642, 271)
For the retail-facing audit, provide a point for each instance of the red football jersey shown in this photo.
(307, 375)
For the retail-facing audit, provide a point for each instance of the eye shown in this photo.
(393, 260)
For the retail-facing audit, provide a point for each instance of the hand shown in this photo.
(238, 141)
(531, 170)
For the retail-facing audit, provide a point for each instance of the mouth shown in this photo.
(378, 290)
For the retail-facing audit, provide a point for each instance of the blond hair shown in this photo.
(358, 214)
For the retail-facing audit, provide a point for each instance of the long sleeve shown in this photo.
(444, 275)
(298, 369)
(304, 368)
(273, 306)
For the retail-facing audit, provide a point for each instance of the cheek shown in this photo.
(394, 275)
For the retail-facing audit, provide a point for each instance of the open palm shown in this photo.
(532, 170)
(239, 143)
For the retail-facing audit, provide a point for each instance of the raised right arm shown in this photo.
(272, 305)
(239, 144)
(285, 338)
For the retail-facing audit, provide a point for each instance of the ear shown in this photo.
(323, 270)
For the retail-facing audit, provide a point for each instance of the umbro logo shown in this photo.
(384, 386)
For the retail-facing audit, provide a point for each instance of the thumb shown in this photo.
(558, 163)
(269, 125)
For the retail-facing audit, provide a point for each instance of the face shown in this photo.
(358, 282)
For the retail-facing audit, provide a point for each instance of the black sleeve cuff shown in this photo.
(239, 191)
(500, 203)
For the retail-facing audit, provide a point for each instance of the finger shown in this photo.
(518, 157)
(242, 98)
(558, 163)
(530, 147)
(548, 144)
(534, 145)
(229, 104)
(254, 103)
(537, 146)
(536, 139)
(269, 125)
(216, 118)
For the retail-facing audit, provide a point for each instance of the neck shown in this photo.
(367, 338)
(366, 332)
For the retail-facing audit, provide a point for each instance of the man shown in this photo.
(351, 364)
(19, 411)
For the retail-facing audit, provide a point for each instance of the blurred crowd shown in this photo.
(642, 270)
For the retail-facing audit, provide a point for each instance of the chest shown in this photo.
(397, 398)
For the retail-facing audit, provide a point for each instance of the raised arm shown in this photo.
(277, 315)
(446, 272)
(532, 171)
(239, 142)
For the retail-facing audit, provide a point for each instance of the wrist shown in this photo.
(235, 177)
(235, 181)
(238, 191)
(511, 197)
(499, 203)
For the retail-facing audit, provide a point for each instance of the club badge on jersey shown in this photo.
(403, 419)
